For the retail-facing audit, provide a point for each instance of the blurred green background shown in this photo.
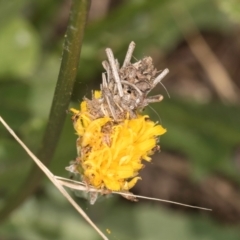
(200, 159)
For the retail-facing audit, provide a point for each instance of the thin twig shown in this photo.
(154, 99)
(218, 76)
(162, 200)
(107, 68)
(52, 179)
(107, 98)
(82, 187)
(114, 71)
(159, 78)
(129, 54)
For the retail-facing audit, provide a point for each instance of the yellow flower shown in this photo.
(111, 153)
(114, 138)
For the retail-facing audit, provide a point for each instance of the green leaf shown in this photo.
(231, 8)
(19, 48)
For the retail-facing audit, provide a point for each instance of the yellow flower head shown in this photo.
(111, 153)
(113, 137)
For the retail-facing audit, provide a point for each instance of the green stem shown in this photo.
(62, 96)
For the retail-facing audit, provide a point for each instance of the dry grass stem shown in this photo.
(75, 185)
(52, 179)
(218, 76)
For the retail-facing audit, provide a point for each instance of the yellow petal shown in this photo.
(97, 94)
(112, 156)
(131, 183)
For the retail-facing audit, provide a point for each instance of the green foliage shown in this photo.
(19, 48)
(51, 218)
(206, 134)
(231, 8)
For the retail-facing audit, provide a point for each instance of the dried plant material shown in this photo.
(53, 179)
(75, 185)
(114, 137)
(218, 76)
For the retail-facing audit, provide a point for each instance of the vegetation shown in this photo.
(199, 161)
